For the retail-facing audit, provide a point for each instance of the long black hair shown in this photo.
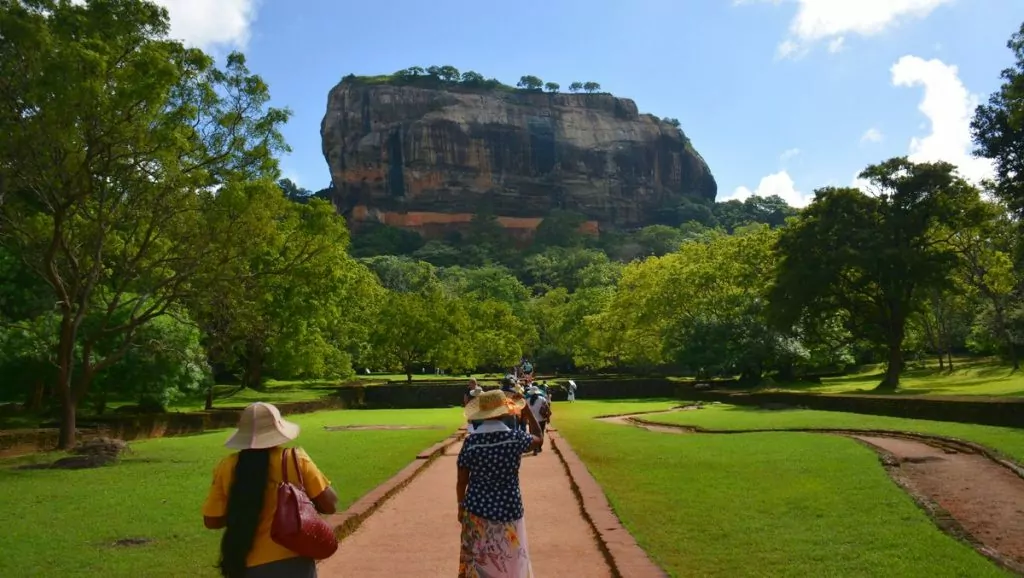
(245, 504)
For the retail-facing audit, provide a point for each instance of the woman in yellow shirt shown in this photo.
(243, 497)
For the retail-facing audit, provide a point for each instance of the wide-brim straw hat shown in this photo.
(490, 405)
(260, 427)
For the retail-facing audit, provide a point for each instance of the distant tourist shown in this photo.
(490, 503)
(472, 391)
(572, 390)
(540, 407)
(243, 496)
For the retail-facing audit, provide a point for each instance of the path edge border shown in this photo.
(624, 555)
(347, 522)
(934, 440)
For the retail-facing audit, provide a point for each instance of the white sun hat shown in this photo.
(260, 427)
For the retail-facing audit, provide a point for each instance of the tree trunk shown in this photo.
(35, 397)
(252, 376)
(65, 362)
(1014, 359)
(68, 415)
(942, 363)
(209, 398)
(891, 381)
(949, 359)
(408, 373)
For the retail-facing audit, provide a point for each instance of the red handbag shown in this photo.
(297, 525)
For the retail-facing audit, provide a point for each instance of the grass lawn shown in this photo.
(275, 392)
(61, 523)
(772, 504)
(1009, 441)
(971, 377)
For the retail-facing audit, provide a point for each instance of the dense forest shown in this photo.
(149, 248)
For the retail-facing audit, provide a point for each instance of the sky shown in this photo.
(779, 96)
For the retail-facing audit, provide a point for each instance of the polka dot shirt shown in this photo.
(493, 462)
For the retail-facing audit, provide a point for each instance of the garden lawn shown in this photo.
(971, 377)
(1009, 441)
(771, 504)
(62, 523)
(274, 392)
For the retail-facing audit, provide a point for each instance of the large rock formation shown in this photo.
(429, 159)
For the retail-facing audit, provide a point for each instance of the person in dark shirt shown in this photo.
(490, 501)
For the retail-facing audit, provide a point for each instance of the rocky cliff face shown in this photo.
(430, 159)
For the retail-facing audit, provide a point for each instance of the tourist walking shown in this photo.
(243, 497)
(540, 407)
(472, 390)
(572, 390)
(494, 543)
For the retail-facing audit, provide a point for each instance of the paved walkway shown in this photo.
(416, 533)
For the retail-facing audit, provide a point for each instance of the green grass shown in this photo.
(61, 523)
(772, 504)
(1009, 441)
(274, 392)
(970, 377)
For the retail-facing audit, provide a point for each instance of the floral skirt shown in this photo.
(493, 549)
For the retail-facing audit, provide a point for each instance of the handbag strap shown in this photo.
(284, 466)
(298, 471)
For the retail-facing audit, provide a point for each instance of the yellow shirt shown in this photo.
(264, 549)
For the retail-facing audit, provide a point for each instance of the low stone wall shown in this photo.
(447, 394)
(982, 411)
(134, 427)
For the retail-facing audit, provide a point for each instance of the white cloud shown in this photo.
(836, 45)
(788, 154)
(780, 184)
(872, 135)
(210, 24)
(833, 20)
(949, 107)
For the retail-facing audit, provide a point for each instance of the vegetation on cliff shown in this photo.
(448, 77)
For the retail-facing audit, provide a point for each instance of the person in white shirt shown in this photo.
(540, 407)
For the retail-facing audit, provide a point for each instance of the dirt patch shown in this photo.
(127, 542)
(969, 491)
(377, 427)
(985, 499)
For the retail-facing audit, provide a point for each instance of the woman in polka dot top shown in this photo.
(490, 504)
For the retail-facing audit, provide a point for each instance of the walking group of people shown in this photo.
(503, 425)
(266, 497)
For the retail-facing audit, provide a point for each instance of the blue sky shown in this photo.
(779, 96)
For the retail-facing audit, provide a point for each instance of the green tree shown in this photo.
(987, 273)
(448, 73)
(530, 83)
(998, 129)
(402, 274)
(559, 229)
(552, 87)
(294, 192)
(874, 257)
(591, 87)
(473, 79)
(488, 283)
(114, 139)
(421, 328)
(499, 337)
(576, 86)
(300, 305)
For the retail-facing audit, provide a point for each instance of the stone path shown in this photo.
(416, 533)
